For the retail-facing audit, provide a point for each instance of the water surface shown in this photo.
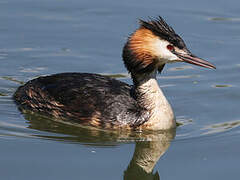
(53, 36)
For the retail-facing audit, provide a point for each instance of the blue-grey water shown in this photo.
(51, 36)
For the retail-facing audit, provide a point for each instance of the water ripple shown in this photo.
(220, 127)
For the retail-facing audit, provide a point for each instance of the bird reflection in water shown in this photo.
(147, 154)
(150, 146)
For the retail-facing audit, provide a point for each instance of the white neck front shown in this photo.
(151, 97)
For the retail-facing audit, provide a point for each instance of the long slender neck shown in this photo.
(150, 97)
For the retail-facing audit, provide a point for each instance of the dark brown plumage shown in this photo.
(83, 98)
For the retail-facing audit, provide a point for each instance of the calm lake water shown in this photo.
(53, 36)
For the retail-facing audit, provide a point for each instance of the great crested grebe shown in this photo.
(103, 102)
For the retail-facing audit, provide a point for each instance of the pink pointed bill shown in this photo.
(189, 58)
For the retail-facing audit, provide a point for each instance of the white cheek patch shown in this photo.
(163, 54)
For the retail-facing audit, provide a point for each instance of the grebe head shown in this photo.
(154, 44)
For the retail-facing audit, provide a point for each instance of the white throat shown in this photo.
(151, 97)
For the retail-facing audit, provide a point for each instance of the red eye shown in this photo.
(170, 47)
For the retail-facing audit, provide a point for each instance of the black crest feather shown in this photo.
(160, 28)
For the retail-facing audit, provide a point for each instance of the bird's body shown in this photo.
(84, 98)
(87, 99)
(103, 102)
